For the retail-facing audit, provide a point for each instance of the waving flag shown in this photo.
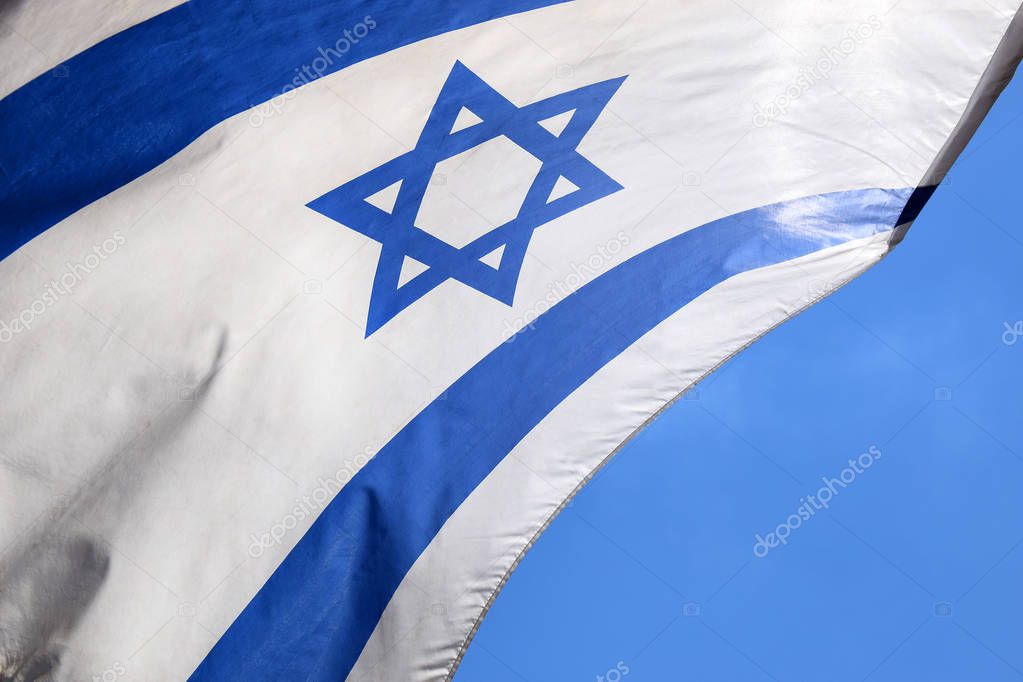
(315, 313)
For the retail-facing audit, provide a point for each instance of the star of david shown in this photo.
(492, 115)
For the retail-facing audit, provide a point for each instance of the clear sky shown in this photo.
(913, 571)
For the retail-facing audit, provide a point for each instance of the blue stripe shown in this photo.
(126, 105)
(314, 615)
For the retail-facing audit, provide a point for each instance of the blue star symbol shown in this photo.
(441, 139)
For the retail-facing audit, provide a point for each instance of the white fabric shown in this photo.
(37, 36)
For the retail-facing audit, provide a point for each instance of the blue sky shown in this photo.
(912, 572)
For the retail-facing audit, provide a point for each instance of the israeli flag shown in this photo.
(315, 313)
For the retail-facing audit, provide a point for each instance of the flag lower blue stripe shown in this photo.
(315, 614)
(129, 103)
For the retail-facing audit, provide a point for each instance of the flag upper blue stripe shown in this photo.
(314, 615)
(126, 105)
